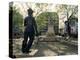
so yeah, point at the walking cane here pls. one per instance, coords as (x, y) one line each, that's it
(37, 41)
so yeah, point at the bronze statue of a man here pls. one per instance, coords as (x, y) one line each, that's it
(30, 30)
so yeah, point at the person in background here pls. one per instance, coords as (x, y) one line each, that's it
(67, 29)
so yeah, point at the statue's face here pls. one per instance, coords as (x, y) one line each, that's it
(30, 13)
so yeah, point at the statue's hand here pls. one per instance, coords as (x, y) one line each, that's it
(37, 34)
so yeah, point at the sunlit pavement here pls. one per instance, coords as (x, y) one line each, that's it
(55, 48)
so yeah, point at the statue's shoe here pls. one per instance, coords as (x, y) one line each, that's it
(27, 52)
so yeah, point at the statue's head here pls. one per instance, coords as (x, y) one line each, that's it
(30, 11)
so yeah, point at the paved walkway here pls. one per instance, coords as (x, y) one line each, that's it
(44, 49)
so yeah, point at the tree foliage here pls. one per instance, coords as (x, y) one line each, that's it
(69, 9)
(17, 21)
(17, 18)
(42, 20)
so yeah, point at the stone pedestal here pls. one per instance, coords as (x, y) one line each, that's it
(50, 32)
